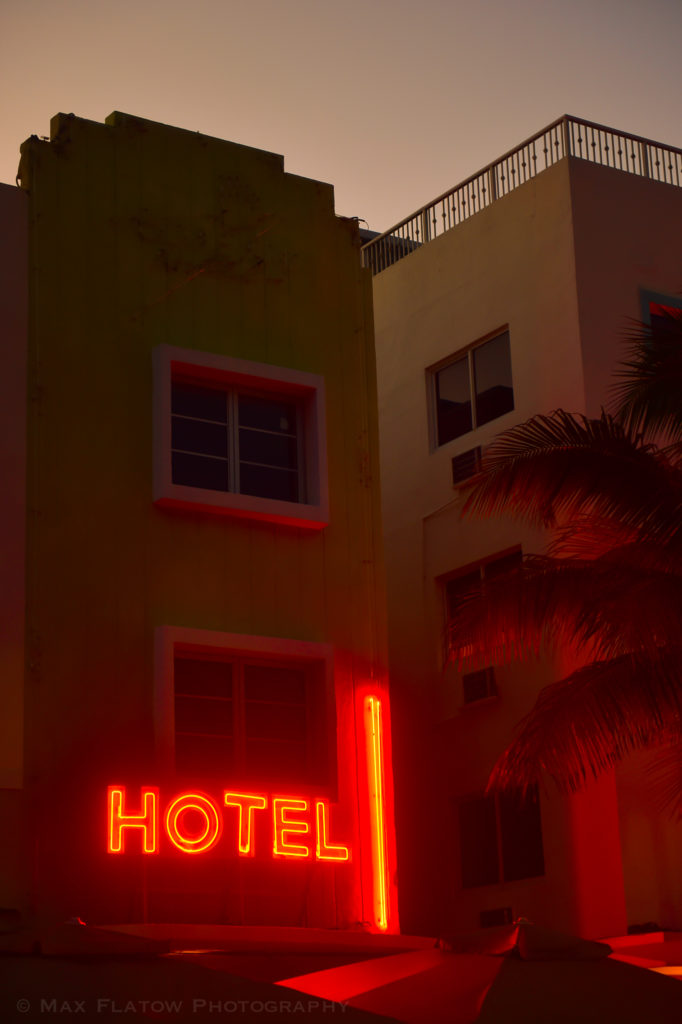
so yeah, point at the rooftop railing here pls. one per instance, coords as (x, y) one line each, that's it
(569, 136)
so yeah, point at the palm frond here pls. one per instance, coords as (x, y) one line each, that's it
(553, 468)
(664, 774)
(649, 384)
(581, 725)
(589, 535)
(607, 606)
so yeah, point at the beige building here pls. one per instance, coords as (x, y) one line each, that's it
(504, 298)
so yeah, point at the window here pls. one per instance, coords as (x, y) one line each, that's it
(231, 440)
(247, 718)
(480, 684)
(500, 839)
(472, 389)
(239, 437)
(247, 709)
(664, 320)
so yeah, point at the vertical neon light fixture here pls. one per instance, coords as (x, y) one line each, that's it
(375, 779)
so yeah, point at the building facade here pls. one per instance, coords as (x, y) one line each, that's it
(509, 296)
(195, 707)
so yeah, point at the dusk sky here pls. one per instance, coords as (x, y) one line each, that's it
(392, 101)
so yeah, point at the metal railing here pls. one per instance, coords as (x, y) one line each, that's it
(568, 136)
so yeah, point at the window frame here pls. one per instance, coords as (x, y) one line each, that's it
(649, 299)
(173, 642)
(432, 387)
(468, 570)
(497, 799)
(236, 376)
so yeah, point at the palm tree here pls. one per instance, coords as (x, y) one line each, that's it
(610, 490)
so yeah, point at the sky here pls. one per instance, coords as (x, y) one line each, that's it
(391, 101)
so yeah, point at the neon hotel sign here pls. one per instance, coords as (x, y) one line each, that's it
(301, 827)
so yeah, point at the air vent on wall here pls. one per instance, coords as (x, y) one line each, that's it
(479, 685)
(466, 465)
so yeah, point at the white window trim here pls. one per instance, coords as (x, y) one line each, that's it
(169, 641)
(432, 389)
(228, 372)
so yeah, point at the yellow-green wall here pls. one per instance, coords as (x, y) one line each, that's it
(142, 234)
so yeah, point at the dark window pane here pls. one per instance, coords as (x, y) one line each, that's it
(204, 715)
(197, 436)
(492, 374)
(275, 721)
(478, 841)
(267, 414)
(201, 402)
(196, 677)
(498, 916)
(665, 324)
(479, 685)
(280, 484)
(521, 828)
(458, 588)
(199, 471)
(204, 755)
(262, 682)
(268, 761)
(268, 449)
(453, 401)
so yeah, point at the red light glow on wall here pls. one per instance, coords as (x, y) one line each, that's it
(291, 827)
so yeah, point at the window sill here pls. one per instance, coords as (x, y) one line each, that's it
(243, 506)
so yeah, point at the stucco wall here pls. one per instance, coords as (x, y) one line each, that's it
(627, 241)
(513, 265)
(13, 339)
(141, 235)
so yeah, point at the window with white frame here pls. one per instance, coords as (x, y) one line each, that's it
(471, 389)
(481, 683)
(500, 838)
(243, 717)
(230, 439)
(239, 437)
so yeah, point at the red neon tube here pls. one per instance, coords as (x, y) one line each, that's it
(375, 776)
(247, 804)
(147, 820)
